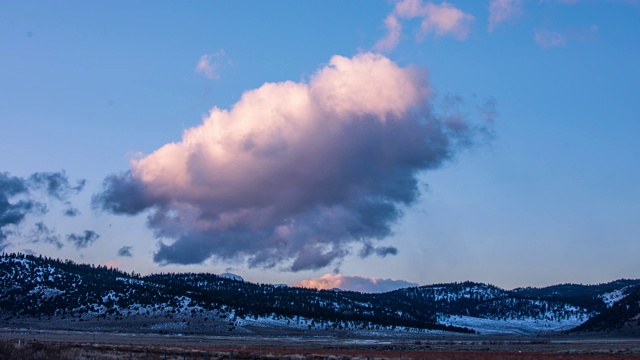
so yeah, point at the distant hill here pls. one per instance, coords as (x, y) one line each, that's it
(78, 294)
(597, 297)
(622, 317)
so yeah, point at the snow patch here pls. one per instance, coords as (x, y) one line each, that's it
(46, 292)
(524, 326)
(169, 326)
(613, 297)
(131, 281)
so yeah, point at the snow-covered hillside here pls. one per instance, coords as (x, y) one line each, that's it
(39, 287)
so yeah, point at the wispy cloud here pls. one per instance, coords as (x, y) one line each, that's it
(56, 184)
(503, 10)
(41, 233)
(295, 175)
(210, 64)
(125, 251)
(17, 198)
(70, 211)
(81, 241)
(582, 34)
(549, 39)
(113, 264)
(445, 19)
(438, 20)
(12, 213)
(392, 37)
(354, 283)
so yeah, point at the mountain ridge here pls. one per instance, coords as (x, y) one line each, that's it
(40, 287)
(622, 317)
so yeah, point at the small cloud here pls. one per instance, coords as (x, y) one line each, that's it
(503, 10)
(354, 283)
(12, 212)
(71, 212)
(113, 264)
(488, 110)
(16, 197)
(125, 251)
(56, 184)
(391, 39)
(583, 34)
(381, 251)
(445, 19)
(209, 64)
(563, 2)
(41, 233)
(548, 39)
(81, 241)
(439, 20)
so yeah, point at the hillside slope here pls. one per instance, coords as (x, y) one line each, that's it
(622, 317)
(42, 288)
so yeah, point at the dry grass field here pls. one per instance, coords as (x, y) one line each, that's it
(62, 345)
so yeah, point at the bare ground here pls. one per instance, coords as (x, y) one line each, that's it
(24, 343)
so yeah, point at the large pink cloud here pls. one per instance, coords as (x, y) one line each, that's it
(294, 174)
(354, 283)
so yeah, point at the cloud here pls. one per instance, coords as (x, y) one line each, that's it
(444, 19)
(488, 110)
(16, 197)
(548, 39)
(125, 251)
(81, 241)
(392, 37)
(354, 283)
(439, 20)
(11, 213)
(29, 252)
(294, 175)
(382, 251)
(56, 184)
(582, 34)
(113, 264)
(209, 64)
(41, 233)
(503, 10)
(71, 212)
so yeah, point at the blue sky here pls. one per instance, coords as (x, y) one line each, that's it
(551, 197)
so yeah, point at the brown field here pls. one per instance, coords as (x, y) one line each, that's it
(58, 344)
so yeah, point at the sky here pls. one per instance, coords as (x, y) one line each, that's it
(364, 145)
